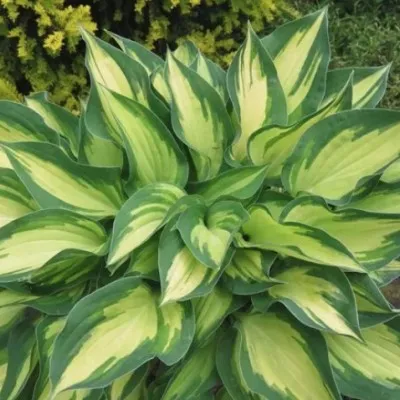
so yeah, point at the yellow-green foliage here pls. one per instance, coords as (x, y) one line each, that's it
(40, 46)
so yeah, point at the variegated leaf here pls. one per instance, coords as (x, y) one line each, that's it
(252, 75)
(141, 216)
(319, 297)
(4, 161)
(386, 274)
(15, 200)
(199, 118)
(149, 60)
(22, 359)
(130, 386)
(384, 198)
(373, 308)
(369, 84)
(374, 239)
(9, 316)
(295, 240)
(29, 242)
(115, 327)
(369, 370)
(186, 52)
(392, 173)
(176, 329)
(248, 272)
(208, 232)
(274, 202)
(19, 123)
(213, 74)
(300, 50)
(195, 376)
(241, 183)
(57, 118)
(270, 344)
(272, 145)
(182, 276)
(55, 181)
(355, 146)
(160, 85)
(153, 154)
(211, 310)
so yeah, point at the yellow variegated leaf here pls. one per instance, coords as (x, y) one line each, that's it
(386, 274)
(130, 386)
(355, 146)
(153, 154)
(141, 216)
(252, 75)
(57, 118)
(15, 200)
(176, 329)
(272, 145)
(115, 328)
(248, 271)
(4, 161)
(374, 239)
(274, 202)
(208, 232)
(370, 369)
(186, 52)
(182, 276)
(384, 198)
(295, 240)
(29, 242)
(160, 85)
(300, 50)
(392, 173)
(270, 345)
(199, 118)
(369, 84)
(319, 297)
(211, 310)
(195, 376)
(55, 181)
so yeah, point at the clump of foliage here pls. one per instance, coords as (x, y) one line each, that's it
(41, 47)
(203, 234)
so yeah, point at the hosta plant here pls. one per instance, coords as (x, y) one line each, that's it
(203, 234)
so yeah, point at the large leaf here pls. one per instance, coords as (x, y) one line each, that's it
(211, 310)
(57, 118)
(252, 75)
(208, 232)
(19, 123)
(28, 243)
(373, 308)
(369, 370)
(160, 85)
(241, 183)
(248, 272)
(274, 202)
(374, 239)
(182, 276)
(55, 181)
(153, 154)
(384, 198)
(115, 328)
(195, 376)
(295, 240)
(300, 50)
(355, 145)
(141, 216)
(319, 297)
(199, 118)
(21, 360)
(280, 358)
(15, 200)
(272, 145)
(369, 84)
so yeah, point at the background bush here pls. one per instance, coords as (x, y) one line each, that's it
(40, 46)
